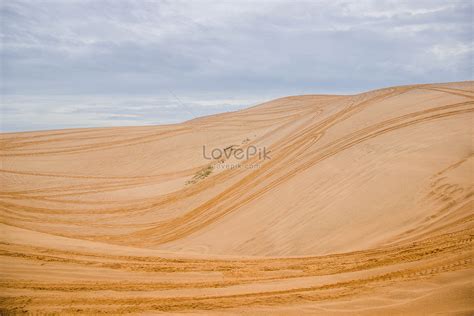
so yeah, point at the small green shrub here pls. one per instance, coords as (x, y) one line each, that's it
(201, 174)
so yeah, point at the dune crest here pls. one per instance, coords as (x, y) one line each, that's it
(361, 204)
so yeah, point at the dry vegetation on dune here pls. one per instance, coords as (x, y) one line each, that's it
(364, 207)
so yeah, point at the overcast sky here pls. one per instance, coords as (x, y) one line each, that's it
(103, 63)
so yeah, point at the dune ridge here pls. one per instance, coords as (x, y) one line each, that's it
(364, 206)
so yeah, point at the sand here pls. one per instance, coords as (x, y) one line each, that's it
(362, 207)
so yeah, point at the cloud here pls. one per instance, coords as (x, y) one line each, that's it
(40, 112)
(242, 49)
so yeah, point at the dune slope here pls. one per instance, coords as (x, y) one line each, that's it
(355, 204)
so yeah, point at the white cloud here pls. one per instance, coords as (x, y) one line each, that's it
(447, 52)
(214, 51)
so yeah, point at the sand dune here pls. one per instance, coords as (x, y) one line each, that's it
(363, 206)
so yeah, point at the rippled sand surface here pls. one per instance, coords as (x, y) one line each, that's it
(362, 207)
